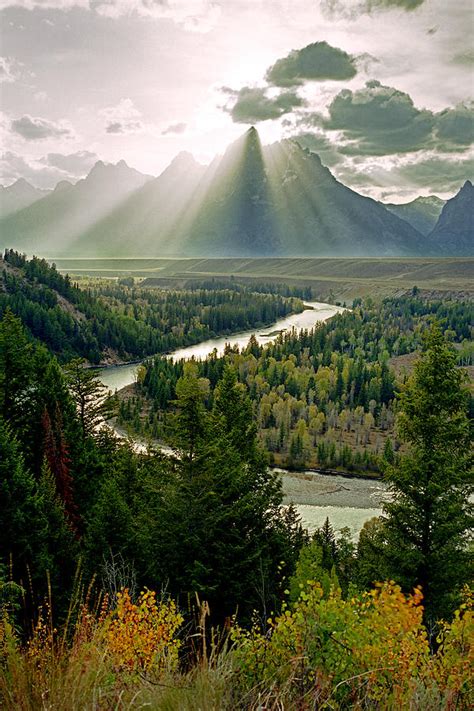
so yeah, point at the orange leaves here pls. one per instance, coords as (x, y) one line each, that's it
(369, 649)
(453, 665)
(141, 636)
(97, 654)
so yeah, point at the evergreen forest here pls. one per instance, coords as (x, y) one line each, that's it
(132, 576)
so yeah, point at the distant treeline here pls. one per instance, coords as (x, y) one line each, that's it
(236, 284)
(131, 322)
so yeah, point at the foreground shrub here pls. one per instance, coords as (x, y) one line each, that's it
(368, 651)
(92, 662)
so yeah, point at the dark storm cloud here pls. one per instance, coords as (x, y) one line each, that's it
(318, 62)
(380, 119)
(318, 143)
(174, 128)
(352, 10)
(36, 129)
(455, 127)
(76, 164)
(436, 173)
(253, 105)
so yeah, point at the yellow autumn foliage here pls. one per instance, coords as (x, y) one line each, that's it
(371, 649)
(141, 635)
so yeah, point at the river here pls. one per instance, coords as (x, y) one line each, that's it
(348, 502)
(118, 376)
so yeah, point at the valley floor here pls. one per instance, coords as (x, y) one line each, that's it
(341, 279)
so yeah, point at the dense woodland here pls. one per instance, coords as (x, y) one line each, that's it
(129, 322)
(324, 398)
(115, 565)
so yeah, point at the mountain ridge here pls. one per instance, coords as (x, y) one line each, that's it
(19, 195)
(455, 226)
(253, 201)
(61, 217)
(422, 213)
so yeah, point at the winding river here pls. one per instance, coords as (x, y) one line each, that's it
(348, 502)
(116, 377)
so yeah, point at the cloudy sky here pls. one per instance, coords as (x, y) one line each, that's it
(381, 89)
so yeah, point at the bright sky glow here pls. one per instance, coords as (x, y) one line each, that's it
(142, 81)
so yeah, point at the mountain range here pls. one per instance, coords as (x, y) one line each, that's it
(422, 213)
(454, 230)
(253, 201)
(19, 195)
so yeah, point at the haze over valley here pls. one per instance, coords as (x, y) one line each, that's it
(254, 201)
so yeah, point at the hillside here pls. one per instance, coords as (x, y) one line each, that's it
(112, 323)
(422, 213)
(329, 279)
(454, 231)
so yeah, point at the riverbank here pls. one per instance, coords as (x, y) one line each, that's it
(116, 377)
(316, 489)
(112, 360)
(348, 501)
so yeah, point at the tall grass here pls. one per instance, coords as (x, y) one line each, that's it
(369, 652)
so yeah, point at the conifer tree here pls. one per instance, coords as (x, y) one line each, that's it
(218, 527)
(34, 533)
(428, 521)
(89, 394)
(21, 527)
(16, 353)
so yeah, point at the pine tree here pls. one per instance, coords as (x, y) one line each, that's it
(429, 518)
(21, 526)
(34, 533)
(234, 410)
(326, 538)
(16, 377)
(61, 544)
(388, 453)
(58, 461)
(217, 524)
(190, 424)
(89, 394)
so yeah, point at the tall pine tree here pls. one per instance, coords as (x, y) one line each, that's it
(428, 521)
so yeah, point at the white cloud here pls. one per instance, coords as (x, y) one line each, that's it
(35, 128)
(408, 176)
(47, 171)
(75, 164)
(122, 118)
(8, 70)
(14, 166)
(45, 4)
(192, 15)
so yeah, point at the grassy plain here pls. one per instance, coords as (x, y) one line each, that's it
(342, 279)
